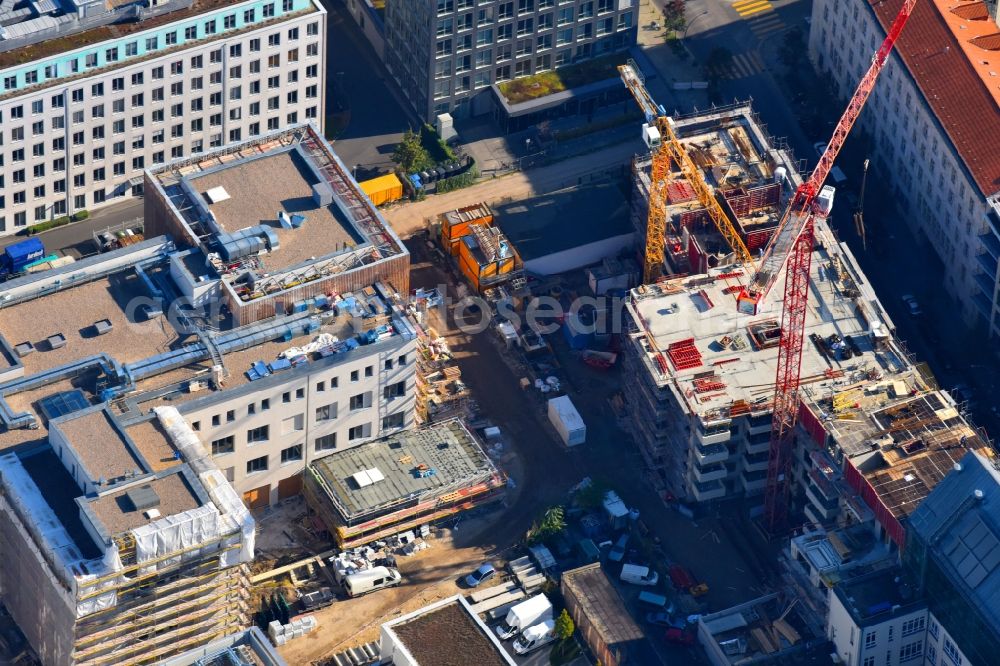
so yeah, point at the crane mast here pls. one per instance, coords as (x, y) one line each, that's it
(666, 148)
(791, 247)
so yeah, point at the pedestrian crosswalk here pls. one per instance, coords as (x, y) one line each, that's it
(741, 66)
(747, 8)
(766, 26)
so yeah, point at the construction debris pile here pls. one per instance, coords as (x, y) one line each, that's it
(441, 393)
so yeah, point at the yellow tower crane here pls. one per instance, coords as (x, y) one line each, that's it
(666, 149)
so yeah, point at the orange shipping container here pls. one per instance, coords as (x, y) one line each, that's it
(455, 224)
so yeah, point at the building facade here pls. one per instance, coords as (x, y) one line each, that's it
(264, 435)
(447, 54)
(934, 131)
(80, 127)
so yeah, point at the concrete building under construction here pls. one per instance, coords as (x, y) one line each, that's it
(122, 544)
(700, 408)
(397, 483)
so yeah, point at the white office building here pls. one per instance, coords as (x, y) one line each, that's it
(85, 111)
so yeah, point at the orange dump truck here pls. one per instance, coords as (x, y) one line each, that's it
(455, 224)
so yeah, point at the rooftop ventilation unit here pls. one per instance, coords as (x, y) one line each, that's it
(217, 194)
(367, 477)
(143, 498)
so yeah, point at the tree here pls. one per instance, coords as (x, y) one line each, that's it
(553, 522)
(564, 626)
(410, 154)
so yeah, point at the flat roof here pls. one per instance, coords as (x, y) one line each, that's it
(117, 514)
(73, 312)
(550, 223)
(713, 356)
(448, 636)
(154, 444)
(602, 605)
(876, 593)
(956, 78)
(261, 186)
(99, 445)
(447, 448)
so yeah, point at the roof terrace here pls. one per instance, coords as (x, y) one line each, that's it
(169, 494)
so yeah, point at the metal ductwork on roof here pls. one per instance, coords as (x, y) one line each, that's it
(247, 242)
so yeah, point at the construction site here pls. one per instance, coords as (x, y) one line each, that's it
(398, 483)
(122, 544)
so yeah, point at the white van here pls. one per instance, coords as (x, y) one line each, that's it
(535, 637)
(637, 575)
(370, 580)
(524, 615)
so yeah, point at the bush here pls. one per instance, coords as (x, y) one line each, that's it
(458, 182)
(80, 215)
(438, 150)
(51, 224)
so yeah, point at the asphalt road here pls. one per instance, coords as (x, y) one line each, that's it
(378, 117)
(77, 239)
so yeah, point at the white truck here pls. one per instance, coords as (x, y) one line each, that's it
(639, 575)
(523, 615)
(535, 637)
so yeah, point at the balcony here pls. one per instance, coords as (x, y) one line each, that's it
(711, 454)
(753, 481)
(704, 492)
(714, 433)
(759, 443)
(756, 462)
(710, 473)
(988, 263)
(986, 284)
(759, 424)
(817, 510)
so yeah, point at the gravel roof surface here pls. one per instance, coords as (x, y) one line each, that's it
(448, 637)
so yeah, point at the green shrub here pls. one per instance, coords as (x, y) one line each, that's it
(438, 150)
(458, 182)
(80, 215)
(50, 224)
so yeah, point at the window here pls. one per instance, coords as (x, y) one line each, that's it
(196, 426)
(300, 393)
(911, 651)
(230, 416)
(359, 432)
(326, 412)
(257, 465)
(361, 400)
(293, 424)
(224, 445)
(394, 421)
(401, 360)
(291, 454)
(951, 652)
(259, 434)
(932, 629)
(320, 387)
(286, 397)
(871, 639)
(216, 419)
(265, 404)
(912, 626)
(354, 375)
(369, 371)
(397, 390)
(869, 661)
(326, 442)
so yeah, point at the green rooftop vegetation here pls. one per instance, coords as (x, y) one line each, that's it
(564, 78)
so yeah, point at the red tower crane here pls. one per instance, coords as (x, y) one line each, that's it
(792, 245)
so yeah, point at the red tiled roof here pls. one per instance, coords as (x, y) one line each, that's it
(972, 11)
(988, 42)
(952, 87)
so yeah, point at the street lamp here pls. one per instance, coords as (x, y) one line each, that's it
(693, 21)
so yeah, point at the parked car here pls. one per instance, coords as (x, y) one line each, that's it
(484, 573)
(638, 575)
(665, 620)
(912, 305)
(679, 636)
(617, 552)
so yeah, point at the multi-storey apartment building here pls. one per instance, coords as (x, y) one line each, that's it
(83, 115)
(934, 127)
(448, 54)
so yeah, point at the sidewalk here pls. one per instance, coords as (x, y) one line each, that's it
(670, 67)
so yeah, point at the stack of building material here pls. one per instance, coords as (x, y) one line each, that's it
(282, 633)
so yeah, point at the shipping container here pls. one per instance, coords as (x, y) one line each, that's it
(567, 421)
(384, 189)
(455, 224)
(486, 258)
